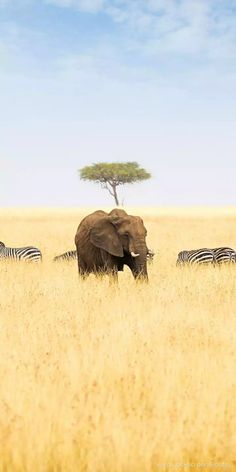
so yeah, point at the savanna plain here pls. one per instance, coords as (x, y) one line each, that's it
(117, 378)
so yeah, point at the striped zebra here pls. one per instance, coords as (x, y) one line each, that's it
(196, 256)
(70, 255)
(66, 256)
(29, 253)
(224, 255)
(150, 256)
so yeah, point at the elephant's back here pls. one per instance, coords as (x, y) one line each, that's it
(91, 219)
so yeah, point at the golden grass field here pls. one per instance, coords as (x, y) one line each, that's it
(118, 378)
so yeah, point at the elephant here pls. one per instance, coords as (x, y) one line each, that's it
(105, 242)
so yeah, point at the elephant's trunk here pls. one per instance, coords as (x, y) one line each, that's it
(140, 271)
(140, 262)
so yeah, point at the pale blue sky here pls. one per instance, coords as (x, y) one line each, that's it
(114, 80)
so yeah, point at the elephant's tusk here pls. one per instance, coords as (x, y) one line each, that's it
(133, 254)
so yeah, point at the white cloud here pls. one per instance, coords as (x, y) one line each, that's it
(159, 27)
(159, 40)
(186, 27)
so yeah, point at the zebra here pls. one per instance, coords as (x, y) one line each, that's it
(66, 256)
(28, 253)
(71, 255)
(224, 255)
(150, 256)
(196, 256)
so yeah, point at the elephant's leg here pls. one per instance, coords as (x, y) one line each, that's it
(83, 275)
(113, 276)
(136, 271)
(99, 274)
(82, 270)
(140, 277)
(111, 272)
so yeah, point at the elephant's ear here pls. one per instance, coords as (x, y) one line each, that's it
(104, 235)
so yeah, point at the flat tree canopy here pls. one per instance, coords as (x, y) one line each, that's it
(111, 175)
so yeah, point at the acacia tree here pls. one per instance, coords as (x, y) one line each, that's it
(111, 175)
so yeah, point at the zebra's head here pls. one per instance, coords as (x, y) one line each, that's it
(150, 255)
(182, 257)
(1, 244)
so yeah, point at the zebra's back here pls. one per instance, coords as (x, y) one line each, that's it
(224, 255)
(28, 253)
(66, 256)
(196, 256)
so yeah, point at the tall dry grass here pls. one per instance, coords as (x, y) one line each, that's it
(123, 378)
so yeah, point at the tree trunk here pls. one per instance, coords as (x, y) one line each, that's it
(115, 195)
